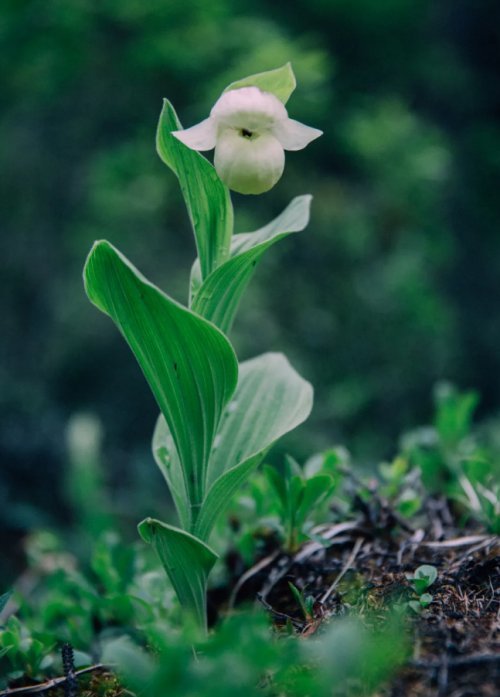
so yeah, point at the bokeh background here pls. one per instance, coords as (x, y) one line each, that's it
(394, 285)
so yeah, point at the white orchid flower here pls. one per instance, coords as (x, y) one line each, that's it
(250, 131)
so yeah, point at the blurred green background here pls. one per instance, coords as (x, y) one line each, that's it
(394, 285)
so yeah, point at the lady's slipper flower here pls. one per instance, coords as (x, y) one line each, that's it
(250, 130)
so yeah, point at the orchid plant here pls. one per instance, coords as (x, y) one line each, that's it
(218, 418)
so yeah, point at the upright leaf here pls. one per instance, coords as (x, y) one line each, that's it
(165, 455)
(207, 199)
(280, 82)
(4, 599)
(218, 297)
(189, 364)
(187, 561)
(278, 483)
(270, 400)
(316, 490)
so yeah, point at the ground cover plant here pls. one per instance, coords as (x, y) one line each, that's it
(356, 580)
(346, 613)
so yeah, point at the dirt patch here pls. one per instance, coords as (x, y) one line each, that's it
(365, 567)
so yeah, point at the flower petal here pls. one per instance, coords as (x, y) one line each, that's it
(294, 135)
(199, 137)
(248, 108)
(248, 166)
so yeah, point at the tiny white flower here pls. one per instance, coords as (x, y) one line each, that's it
(250, 130)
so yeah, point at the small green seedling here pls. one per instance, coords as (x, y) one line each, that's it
(422, 579)
(452, 461)
(305, 602)
(298, 496)
(400, 487)
(22, 652)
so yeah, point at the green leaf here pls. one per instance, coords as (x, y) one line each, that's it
(270, 400)
(166, 458)
(4, 599)
(300, 600)
(292, 468)
(278, 483)
(454, 412)
(420, 585)
(409, 503)
(207, 199)
(296, 487)
(426, 599)
(187, 561)
(316, 489)
(280, 82)
(188, 363)
(218, 297)
(426, 573)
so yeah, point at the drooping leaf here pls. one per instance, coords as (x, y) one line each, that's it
(187, 561)
(270, 400)
(207, 199)
(280, 82)
(188, 363)
(218, 297)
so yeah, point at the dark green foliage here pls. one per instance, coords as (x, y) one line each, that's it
(455, 459)
(242, 655)
(298, 495)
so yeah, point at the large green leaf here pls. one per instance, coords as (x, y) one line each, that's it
(207, 199)
(189, 364)
(218, 297)
(280, 82)
(187, 561)
(270, 400)
(165, 455)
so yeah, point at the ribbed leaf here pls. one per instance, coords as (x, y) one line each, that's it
(218, 297)
(207, 199)
(270, 400)
(280, 82)
(189, 364)
(166, 458)
(187, 561)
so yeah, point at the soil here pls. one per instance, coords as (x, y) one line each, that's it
(364, 571)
